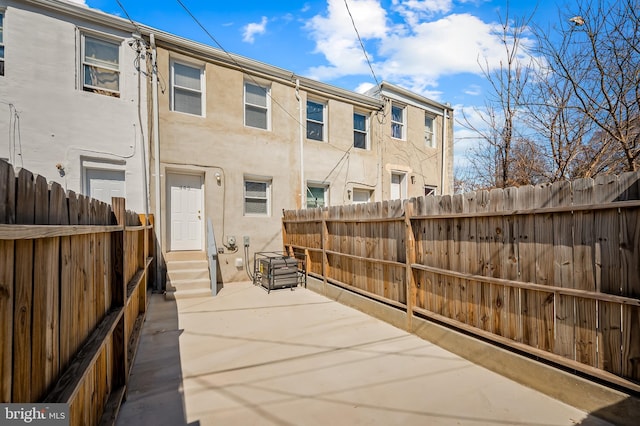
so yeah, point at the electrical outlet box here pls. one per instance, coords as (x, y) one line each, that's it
(246, 240)
(231, 240)
(239, 262)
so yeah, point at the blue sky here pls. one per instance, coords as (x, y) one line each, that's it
(428, 46)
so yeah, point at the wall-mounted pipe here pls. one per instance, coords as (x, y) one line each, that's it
(156, 148)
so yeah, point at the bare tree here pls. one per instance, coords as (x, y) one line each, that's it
(498, 126)
(592, 60)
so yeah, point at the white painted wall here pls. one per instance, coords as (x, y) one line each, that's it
(59, 124)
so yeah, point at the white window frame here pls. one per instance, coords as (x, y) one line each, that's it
(91, 163)
(365, 131)
(430, 190)
(429, 133)
(267, 108)
(106, 38)
(202, 91)
(402, 123)
(324, 187)
(362, 191)
(255, 179)
(323, 122)
(2, 19)
(403, 184)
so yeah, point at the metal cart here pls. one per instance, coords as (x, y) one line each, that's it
(277, 270)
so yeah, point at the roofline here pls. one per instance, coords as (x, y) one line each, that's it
(404, 92)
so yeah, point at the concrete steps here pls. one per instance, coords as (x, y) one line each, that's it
(187, 275)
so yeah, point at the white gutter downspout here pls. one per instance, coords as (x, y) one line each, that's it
(156, 148)
(444, 144)
(303, 187)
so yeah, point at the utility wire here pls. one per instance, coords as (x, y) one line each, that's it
(361, 43)
(129, 17)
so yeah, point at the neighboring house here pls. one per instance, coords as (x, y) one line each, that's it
(73, 103)
(241, 140)
(238, 140)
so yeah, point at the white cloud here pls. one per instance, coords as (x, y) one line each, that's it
(473, 90)
(250, 30)
(363, 87)
(415, 10)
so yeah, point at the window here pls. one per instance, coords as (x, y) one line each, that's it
(430, 190)
(1, 43)
(187, 88)
(397, 122)
(359, 130)
(317, 196)
(428, 132)
(257, 194)
(398, 186)
(315, 120)
(361, 196)
(100, 66)
(256, 107)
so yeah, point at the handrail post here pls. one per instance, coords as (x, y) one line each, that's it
(212, 258)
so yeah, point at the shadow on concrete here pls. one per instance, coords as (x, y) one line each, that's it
(623, 413)
(155, 395)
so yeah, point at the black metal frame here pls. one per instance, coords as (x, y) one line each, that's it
(271, 270)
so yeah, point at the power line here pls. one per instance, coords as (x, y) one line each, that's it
(361, 43)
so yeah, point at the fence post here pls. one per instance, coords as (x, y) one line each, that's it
(324, 237)
(118, 259)
(410, 258)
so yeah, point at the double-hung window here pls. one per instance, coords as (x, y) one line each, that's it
(359, 130)
(100, 65)
(256, 106)
(315, 120)
(257, 197)
(428, 132)
(361, 196)
(187, 88)
(397, 122)
(317, 195)
(1, 43)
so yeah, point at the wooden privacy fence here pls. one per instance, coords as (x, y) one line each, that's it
(551, 270)
(73, 280)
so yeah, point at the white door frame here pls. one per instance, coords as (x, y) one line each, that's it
(170, 176)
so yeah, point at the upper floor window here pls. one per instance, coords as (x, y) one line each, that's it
(100, 65)
(397, 122)
(187, 88)
(1, 43)
(359, 130)
(315, 120)
(429, 140)
(317, 195)
(257, 197)
(256, 106)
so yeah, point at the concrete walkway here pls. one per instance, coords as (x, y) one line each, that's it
(246, 357)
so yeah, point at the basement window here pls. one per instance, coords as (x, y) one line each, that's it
(257, 197)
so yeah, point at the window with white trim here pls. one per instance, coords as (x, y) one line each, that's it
(317, 195)
(1, 42)
(100, 65)
(187, 84)
(316, 117)
(397, 122)
(430, 190)
(360, 135)
(429, 138)
(256, 106)
(257, 197)
(361, 196)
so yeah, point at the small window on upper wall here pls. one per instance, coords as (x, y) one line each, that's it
(187, 88)
(430, 190)
(257, 197)
(361, 196)
(100, 65)
(429, 138)
(315, 120)
(359, 130)
(256, 106)
(1, 43)
(317, 196)
(397, 122)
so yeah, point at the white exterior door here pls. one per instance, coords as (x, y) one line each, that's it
(185, 211)
(398, 190)
(104, 184)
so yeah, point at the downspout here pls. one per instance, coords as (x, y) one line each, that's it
(444, 144)
(156, 148)
(303, 187)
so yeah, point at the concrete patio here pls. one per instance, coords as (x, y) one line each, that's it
(246, 357)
